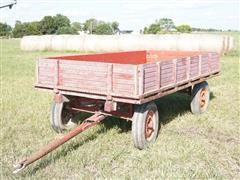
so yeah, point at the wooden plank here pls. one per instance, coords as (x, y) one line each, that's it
(123, 87)
(146, 71)
(151, 74)
(123, 81)
(123, 68)
(47, 82)
(46, 63)
(80, 79)
(93, 76)
(166, 66)
(90, 89)
(181, 71)
(80, 68)
(84, 74)
(47, 69)
(151, 65)
(168, 81)
(150, 84)
(166, 71)
(123, 76)
(83, 63)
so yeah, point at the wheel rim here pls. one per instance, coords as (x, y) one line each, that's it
(149, 126)
(203, 97)
(66, 115)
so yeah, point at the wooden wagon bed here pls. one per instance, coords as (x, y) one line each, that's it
(131, 77)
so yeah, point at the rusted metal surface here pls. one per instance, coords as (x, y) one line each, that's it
(125, 77)
(123, 110)
(89, 122)
(149, 126)
(203, 97)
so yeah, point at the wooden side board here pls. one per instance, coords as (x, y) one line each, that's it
(124, 81)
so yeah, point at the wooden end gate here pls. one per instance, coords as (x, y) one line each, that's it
(124, 85)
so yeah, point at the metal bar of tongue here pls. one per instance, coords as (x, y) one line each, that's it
(87, 123)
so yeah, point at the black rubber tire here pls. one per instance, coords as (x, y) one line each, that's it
(61, 119)
(196, 107)
(139, 121)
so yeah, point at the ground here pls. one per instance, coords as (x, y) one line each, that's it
(188, 146)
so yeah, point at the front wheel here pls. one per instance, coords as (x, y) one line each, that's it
(200, 98)
(145, 125)
(61, 117)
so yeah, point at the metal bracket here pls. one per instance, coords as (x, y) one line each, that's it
(110, 106)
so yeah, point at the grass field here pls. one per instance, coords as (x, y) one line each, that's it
(188, 147)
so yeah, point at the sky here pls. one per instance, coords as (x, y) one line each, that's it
(131, 14)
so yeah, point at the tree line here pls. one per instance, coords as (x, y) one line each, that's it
(60, 24)
(166, 25)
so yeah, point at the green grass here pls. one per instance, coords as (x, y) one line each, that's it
(188, 147)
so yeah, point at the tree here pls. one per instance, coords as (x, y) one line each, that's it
(61, 21)
(5, 29)
(90, 25)
(163, 25)
(104, 28)
(66, 30)
(77, 26)
(153, 29)
(115, 26)
(22, 29)
(94, 26)
(18, 30)
(166, 24)
(184, 28)
(48, 25)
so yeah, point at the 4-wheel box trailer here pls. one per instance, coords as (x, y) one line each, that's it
(123, 84)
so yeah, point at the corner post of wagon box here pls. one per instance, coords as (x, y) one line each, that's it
(109, 105)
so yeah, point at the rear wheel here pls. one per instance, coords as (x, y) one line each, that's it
(61, 117)
(145, 125)
(200, 98)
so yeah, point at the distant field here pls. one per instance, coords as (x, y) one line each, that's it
(188, 147)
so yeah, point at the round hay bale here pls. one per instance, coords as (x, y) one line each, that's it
(74, 43)
(128, 42)
(231, 44)
(36, 43)
(166, 42)
(114, 43)
(59, 42)
(211, 43)
(188, 42)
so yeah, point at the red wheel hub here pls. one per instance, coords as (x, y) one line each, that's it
(149, 126)
(203, 97)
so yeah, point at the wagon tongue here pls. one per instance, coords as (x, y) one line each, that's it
(87, 123)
